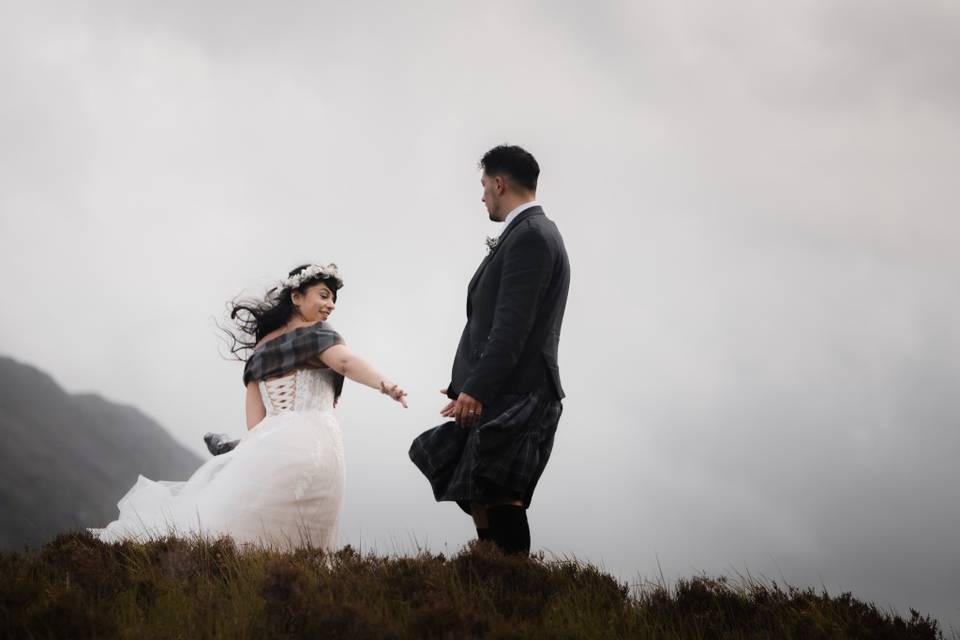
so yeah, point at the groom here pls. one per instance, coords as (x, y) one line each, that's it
(505, 390)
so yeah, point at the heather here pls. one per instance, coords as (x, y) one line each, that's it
(79, 587)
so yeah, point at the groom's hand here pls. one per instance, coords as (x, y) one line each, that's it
(467, 410)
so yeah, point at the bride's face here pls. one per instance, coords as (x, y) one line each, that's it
(315, 303)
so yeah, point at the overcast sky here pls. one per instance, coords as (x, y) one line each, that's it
(762, 341)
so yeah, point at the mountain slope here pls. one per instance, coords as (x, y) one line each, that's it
(66, 459)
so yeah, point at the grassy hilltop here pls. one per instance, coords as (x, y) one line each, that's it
(78, 587)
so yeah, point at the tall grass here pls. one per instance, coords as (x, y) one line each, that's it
(79, 587)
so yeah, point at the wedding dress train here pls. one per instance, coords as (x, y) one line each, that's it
(281, 487)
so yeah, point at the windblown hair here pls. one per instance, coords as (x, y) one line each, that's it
(513, 163)
(254, 318)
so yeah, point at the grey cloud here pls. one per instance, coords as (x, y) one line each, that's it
(887, 51)
(761, 345)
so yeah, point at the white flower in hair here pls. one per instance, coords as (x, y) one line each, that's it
(311, 272)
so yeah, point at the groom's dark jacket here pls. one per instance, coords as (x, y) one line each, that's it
(515, 304)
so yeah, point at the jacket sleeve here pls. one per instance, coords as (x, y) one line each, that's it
(526, 274)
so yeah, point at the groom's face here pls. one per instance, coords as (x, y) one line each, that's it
(492, 192)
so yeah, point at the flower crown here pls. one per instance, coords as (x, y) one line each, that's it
(312, 272)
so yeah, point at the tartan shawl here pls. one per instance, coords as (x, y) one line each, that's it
(299, 348)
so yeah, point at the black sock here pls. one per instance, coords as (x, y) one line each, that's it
(509, 528)
(483, 534)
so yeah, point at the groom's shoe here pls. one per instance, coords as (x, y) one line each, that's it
(218, 443)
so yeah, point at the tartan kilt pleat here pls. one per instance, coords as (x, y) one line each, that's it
(505, 453)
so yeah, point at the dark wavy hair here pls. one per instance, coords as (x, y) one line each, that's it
(514, 163)
(254, 319)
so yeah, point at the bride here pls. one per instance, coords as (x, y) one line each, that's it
(282, 486)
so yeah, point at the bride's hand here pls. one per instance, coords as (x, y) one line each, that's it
(447, 411)
(395, 392)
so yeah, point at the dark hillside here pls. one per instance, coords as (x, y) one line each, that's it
(79, 587)
(66, 459)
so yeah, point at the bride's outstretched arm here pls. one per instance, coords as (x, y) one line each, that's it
(346, 363)
(255, 409)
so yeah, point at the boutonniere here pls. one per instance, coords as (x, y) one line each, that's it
(492, 243)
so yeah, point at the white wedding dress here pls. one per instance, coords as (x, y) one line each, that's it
(281, 487)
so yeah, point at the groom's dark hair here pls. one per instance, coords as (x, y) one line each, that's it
(513, 163)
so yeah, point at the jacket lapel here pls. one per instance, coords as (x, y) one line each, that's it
(532, 211)
(480, 270)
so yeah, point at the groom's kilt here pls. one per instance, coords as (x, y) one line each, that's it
(503, 456)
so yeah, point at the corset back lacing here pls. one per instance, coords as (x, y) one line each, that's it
(282, 393)
(300, 390)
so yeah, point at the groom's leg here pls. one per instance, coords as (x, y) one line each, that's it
(509, 527)
(479, 513)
